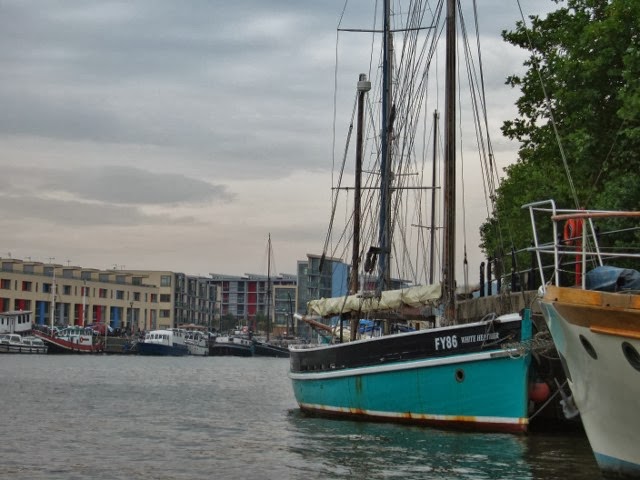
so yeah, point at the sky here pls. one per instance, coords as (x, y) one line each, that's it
(166, 135)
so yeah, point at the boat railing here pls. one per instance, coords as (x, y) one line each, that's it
(576, 242)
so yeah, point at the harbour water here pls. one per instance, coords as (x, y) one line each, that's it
(130, 417)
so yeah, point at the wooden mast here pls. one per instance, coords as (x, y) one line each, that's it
(363, 87)
(449, 234)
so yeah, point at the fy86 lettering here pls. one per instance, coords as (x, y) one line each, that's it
(446, 343)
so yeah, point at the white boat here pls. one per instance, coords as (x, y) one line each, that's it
(14, 343)
(594, 319)
(197, 343)
(167, 342)
(17, 321)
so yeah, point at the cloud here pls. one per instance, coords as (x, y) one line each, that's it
(175, 135)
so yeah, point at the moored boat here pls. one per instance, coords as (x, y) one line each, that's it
(592, 307)
(14, 343)
(461, 376)
(237, 345)
(197, 343)
(72, 339)
(446, 373)
(165, 342)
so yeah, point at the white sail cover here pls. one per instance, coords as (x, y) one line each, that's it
(416, 297)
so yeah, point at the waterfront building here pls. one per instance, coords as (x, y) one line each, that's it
(130, 300)
(179, 299)
(72, 295)
(242, 300)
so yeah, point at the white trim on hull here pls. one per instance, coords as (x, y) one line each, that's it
(426, 418)
(413, 364)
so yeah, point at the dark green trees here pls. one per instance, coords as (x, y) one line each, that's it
(579, 116)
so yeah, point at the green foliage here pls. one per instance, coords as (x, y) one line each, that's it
(586, 54)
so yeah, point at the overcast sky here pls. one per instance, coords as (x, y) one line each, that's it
(176, 135)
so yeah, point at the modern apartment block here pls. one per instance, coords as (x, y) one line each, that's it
(128, 299)
(245, 297)
(319, 278)
(72, 295)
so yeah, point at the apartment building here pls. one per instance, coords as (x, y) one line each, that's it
(244, 298)
(127, 299)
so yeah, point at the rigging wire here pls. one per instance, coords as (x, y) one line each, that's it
(547, 104)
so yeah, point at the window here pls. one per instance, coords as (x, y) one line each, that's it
(7, 266)
(67, 273)
(154, 298)
(165, 313)
(66, 289)
(136, 281)
(121, 279)
(165, 297)
(5, 284)
(165, 281)
(46, 288)
(27, 268)
(119, 294)
(102, 293)
(136, 296)
(104, 277)
(85, 275)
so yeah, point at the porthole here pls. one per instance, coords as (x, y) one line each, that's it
(588, 347)
(460, 375)
(631, 354)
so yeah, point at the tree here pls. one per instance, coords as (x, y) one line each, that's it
(579, 143)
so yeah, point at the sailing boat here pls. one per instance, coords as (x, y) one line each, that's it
(268, 348)
(473, 375)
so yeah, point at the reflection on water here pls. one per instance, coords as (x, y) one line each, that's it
(72, 417)
(343, 449)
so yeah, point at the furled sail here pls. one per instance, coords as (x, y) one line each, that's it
(415, 297)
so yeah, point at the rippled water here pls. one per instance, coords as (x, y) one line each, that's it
(129, 417)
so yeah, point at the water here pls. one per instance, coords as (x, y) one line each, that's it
(129, 417)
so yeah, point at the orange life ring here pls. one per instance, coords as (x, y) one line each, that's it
(572, 231)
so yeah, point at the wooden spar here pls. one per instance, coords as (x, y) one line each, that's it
(449, 251)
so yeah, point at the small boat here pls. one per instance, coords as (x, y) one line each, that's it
(197, 343)
(237, 344)
(590, 300)
(72, 339)
(167, 342)
(14, 343)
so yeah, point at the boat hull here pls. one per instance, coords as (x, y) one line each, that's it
(263, 349)
(157, 349)
(473, 384)
(30, 349)
(596, 334)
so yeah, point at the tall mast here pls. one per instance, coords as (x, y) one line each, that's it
(268, 286)
(433, 198)
(384, 274)
(449, 282)
(363, 87)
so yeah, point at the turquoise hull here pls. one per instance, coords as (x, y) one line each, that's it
(484, 390)
(490, 393)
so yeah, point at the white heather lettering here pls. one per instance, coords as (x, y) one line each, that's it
(481, 337)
